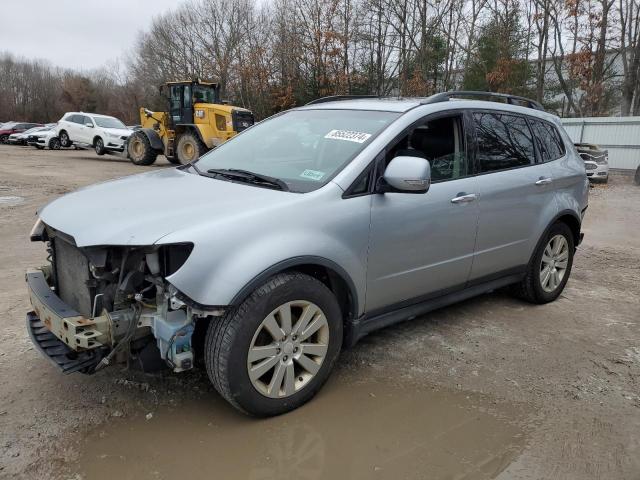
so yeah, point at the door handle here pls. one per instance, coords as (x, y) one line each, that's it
(544, 181)
(464, 198)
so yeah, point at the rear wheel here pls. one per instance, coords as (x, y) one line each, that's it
(140, 150)
(65, 141)
(189, 148)
(550, 267)
(98, 144)
(273, 353)
(4, 138)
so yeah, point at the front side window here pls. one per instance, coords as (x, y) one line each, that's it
(548, 140)
(504, 141)
(303, 148)
(441, 142)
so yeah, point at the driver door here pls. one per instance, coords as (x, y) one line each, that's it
(422, 245)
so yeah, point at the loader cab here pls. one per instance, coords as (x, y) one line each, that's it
(183, 95)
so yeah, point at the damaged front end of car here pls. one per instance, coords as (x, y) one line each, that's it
(99, 305)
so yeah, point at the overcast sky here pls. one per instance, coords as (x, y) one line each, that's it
(81, 34)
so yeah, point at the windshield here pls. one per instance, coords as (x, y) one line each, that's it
(303, 148)
(109, 122)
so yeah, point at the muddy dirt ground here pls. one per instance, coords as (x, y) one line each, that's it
(490, 388)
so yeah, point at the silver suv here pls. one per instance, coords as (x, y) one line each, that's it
(306, 232)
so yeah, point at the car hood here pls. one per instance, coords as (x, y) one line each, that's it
(141, 209)
(118, 131)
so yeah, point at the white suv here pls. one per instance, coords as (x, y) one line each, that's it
(102, 132)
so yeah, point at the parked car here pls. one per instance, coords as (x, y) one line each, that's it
(44, 138)
(596, 161)
(22, 138)
(102, 132)
(14, 127)
(259, 261)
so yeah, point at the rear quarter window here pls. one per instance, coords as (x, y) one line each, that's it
(548, 140)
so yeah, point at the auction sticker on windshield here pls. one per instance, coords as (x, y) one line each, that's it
(312, 175)
(348, 135)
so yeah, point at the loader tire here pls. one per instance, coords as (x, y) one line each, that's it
(189, 148)
(140, 150)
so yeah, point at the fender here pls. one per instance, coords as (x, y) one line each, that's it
(190, 127)
(154, 139)
(292, 263)
(563, 213)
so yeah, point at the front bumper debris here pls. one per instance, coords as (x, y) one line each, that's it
(71, 328)
(57, 352)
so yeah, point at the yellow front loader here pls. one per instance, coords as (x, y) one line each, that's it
(195, 122)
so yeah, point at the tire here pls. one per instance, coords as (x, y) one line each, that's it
(531, 288)
(230, 339)
(4, 139)
(189, 148)
(139, 149)
(65, 141)
(54, 144)
(174, 160)
(98, 144)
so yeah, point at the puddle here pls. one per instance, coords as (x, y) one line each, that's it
(348, 431)
(11, 200)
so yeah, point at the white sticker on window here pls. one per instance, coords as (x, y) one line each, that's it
(312, 175)
(348, 135)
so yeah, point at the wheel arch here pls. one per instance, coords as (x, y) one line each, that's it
(327, 271)
(183, 128)
(572, 220)
(153, 137)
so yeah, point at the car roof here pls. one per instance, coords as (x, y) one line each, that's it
(404, 104)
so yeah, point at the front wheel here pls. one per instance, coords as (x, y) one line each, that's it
(274, 353)
(4, 138)
(139, 149)
(54, 144)
(550, 267)
(65, 141)
(99, 146)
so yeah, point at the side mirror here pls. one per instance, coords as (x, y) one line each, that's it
(89, 124)
(408, 175)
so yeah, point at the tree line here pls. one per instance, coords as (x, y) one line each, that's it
(577, 57)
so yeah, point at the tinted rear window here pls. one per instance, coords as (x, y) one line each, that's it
(504, 141)
(548, 140)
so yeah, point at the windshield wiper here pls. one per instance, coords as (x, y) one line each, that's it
(250, 177)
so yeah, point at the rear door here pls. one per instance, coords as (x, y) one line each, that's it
(516, 194)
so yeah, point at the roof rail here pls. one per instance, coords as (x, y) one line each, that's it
(335, 98)
(510, 99)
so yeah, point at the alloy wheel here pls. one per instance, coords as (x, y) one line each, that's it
(288, 348)
(555, 260)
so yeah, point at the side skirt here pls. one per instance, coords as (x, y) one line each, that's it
(402, 312)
